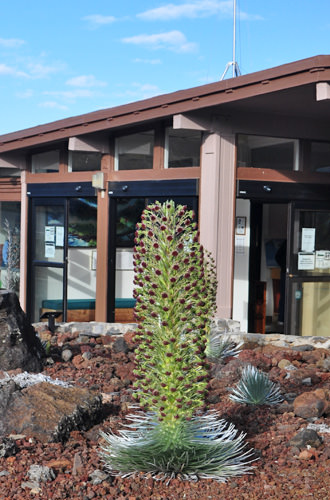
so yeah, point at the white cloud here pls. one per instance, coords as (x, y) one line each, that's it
(96, 20)
(70, 94)
(38, 70)
(198, 8)
(147, 61)
(10, 71)
(85, 81)
(26, 94)
(52, 105)
(11, 43)
(140, 91)
(172, 40)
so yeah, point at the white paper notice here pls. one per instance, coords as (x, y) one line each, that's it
(306, 261)
(49, 233)
(240, 245)
(308, 239)
(59, 236)
(50, 250)
(322, 259)
(124, 260)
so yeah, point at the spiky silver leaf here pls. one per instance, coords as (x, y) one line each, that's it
(204, 447)
(255, 388)
(221, 346)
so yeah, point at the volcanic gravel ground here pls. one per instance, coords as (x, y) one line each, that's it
(281, 472)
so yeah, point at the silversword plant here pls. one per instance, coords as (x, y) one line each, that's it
(255, 388)
(175, 290)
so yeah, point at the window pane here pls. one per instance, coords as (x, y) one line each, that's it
(46, 162)
(135, 151)
(82, 222)
(182, 148)
(82, 161)
(48, 286)
(320, 157)
(265, 152)
(10, 245)
(49, 230)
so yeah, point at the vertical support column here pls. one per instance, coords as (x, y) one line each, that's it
(23, 241)
(102, 249)
(217, 211)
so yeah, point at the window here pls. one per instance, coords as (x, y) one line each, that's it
(45, 162)
(182, 148)
(82, 161)
(10, 225)
(135, 151)
(267, 152)
(320, 156)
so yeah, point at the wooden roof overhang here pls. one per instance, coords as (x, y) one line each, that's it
(234, 91)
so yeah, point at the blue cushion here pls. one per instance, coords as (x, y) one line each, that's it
(74, 304)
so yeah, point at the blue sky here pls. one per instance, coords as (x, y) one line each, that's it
(67, 57)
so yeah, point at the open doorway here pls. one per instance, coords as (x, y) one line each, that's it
(267, 267)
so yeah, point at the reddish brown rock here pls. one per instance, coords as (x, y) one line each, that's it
(310, 404)
(19, 345)
(49, 412)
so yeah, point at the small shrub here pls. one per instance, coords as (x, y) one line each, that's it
(220, 346)
(255, 388)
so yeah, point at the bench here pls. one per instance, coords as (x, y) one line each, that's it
(83, 310)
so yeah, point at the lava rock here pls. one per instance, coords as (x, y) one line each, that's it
(306, 437)
(48, 412)
(310, 404)
(20, 346)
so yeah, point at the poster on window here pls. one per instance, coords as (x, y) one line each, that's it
(306, 261)
(50, 234)
(59, 236)
(322, 259)
(50, 250)
(308, 239)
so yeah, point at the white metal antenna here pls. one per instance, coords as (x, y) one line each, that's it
(233, 64)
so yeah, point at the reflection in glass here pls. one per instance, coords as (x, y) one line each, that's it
(182, 148)
(267, 152)
(82, 161)
(82, 222)
(49, 233)
(10, 217)
(48, 288)
(135, 151)
(45, 162)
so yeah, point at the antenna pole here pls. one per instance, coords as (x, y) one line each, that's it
(233, 63)
(234, 38)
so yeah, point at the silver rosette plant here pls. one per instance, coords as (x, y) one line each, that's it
(171, 433)
(256, 388)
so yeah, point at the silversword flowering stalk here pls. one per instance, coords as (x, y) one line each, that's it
(175, 288)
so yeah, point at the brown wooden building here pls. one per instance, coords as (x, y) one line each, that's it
(251, 154)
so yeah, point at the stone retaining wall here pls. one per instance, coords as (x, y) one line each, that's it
(229, 327)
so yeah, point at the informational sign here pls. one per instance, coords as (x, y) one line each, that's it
(50, 250)
(306, 261)
(49, 233)
(322, 259)
(240, 245)
(240, 225)
(59, 236)
(308, 239)
(124, 260)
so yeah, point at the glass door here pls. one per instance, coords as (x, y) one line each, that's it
(48, 257)
(127, 201)
(63, 257)
(308, 272)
